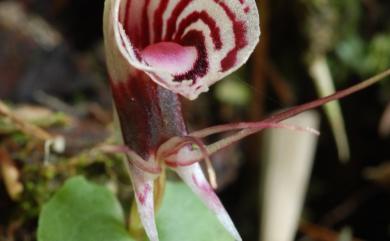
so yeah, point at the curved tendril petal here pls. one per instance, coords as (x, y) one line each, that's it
(195, 179)
(217, 146)
(143, 187)
(292, 112)
(189, 157)
(214, 37)
(168, 147)
(146, 166)
(177, 144)
(248, 125)
(324, 100)
(275, 119)
(181, 146)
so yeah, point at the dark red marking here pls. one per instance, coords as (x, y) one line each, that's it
(171, 164)
(136, 51)
(172, 21)
(138, 34)
(239, 29)
(148, 114)
(127, 17)
(143, 196)
(197, 39)
(210, 22)
(145, 30)
(247, 9)
(158, 20)
(134, 34)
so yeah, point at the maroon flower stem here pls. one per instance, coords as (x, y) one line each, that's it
(148, 114)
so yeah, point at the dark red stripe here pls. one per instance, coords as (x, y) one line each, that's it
(205, 17)
(132, 33)
(132, 39)
(158, 20)
(148, 113)
(197, 39)
(145, 31)
(127, 13)
(143, 195)
(131, 97)
(239, 29)
(171, 24)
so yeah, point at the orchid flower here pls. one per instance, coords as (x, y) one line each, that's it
(159, 49)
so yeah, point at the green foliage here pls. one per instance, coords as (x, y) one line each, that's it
(378, 56)
(184, 217)
(364, 58)
(84, 211)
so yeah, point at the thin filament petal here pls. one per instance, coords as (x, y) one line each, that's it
(134, 158)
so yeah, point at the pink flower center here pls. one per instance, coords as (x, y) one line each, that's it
(171, 57)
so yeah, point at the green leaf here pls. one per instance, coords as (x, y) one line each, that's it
(81, 211)
(183, 217)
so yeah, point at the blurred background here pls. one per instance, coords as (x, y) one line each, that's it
(52, 74)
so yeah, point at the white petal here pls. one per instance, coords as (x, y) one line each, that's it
(143, 189)
(195, 179)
